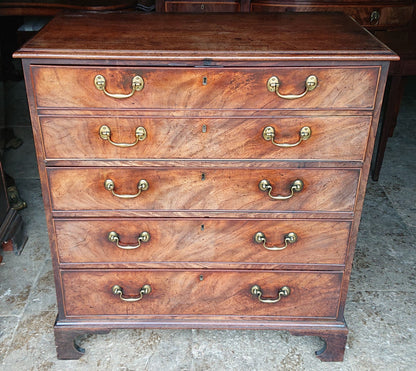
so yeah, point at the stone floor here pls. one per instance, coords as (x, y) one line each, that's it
(380, 309)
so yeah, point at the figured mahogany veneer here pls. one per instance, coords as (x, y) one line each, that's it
(219, 242)
(202, 292)
(241, 88)
(190, 189)
(204, 105)
(336, 138)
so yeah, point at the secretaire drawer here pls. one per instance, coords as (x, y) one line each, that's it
(207, 88)
(201, 292)
(335, 138)
(156, 241)
(203, 189)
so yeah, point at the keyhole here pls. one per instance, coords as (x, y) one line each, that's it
(204, 81)
(201, 277)
(204, 128)
(202, 227)
(203, 176)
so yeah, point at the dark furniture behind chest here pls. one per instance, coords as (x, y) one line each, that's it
(205, 172)
(374, 15)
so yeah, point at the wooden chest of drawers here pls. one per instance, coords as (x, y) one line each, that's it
(204, 171)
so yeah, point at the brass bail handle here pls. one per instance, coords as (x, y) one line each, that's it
(144, 290)
(296, 186)
(105, 134)
(137, 84)
(273, 85)
(256, 291)
(269, 135)
(143, 185)
(290, 238)
(115, 238)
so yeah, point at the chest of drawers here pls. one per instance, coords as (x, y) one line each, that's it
(203, 171)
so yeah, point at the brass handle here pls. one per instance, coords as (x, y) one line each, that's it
(141, 186)
(374, 17)
(296, 186)
(269, 134)
(145, 290)
(137, 84)
(256, 291)
(273, 85)
(290, 238)
(115, 238)
(105, 134)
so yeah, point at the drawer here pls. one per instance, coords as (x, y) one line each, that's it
(331, 138)
(203, 292)
(204, 189)
(200, 241)
(205, 88)
(201, 6)
(375, 16)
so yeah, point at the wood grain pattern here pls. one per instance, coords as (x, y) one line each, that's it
(176, 88)
(203, 204)
(183, 293)
(210, 190)
(200, 241)
(340, 138)
(205, 37)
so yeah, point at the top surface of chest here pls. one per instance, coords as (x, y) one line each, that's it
(205, 37)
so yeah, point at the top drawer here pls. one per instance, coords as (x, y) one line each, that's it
(207, 88)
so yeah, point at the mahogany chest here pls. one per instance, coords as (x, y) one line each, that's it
(204, 171)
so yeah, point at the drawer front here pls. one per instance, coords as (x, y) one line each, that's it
(200, 293)
(331, 138)
(205, 88)
(376, 16)
(201, 7)
(201, 240)
(205, 189)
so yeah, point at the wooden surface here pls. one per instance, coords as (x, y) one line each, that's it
(336, 138)
(191, 36)
(217, 294)
(234, 190)
(203, 204)
(191, 242)
(237, 88)
(53, 7)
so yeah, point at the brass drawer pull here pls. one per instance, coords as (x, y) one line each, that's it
(273, 85)
(256, 291)
(137, 84)
(269, 134)
(296, 186)
(290, 238)
(115, 238)
(141, 186)
(145, 290)
(105, 134)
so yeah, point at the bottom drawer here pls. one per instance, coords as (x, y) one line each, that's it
(196, 293)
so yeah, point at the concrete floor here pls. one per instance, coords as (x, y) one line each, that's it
(380, 309)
